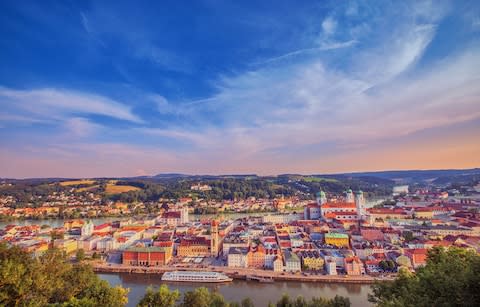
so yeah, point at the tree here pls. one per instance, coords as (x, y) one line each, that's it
(163, 297)
(52, 280)
(337, 301)
(450, 278)
(247, 302)
(80, 255)
(200, 297)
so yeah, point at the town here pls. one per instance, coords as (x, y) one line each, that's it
(335, 235)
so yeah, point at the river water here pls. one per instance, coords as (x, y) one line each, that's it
(260, 293)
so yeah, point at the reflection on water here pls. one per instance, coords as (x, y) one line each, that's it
(260, 293)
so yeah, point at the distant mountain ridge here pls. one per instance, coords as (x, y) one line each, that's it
(396, 175)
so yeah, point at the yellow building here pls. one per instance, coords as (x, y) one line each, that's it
(337, 239)
(193, 247)
(67, 245)
(311, 260)
(68, 225)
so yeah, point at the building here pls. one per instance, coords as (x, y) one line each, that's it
(337, 207)
(234, 241)
(349, 198)
(321, 198)
(337, 239)
(353, 266)
(67, 245)
(87, 228)
(360, 204)
(193, 247)
(146, 256)
(256, 257)
(214, 241)
(311, 260)
(278, 264)
(331, 267)
(237, 257)
(418, 256)
(292, 262)
(400, 189)
(311, 212)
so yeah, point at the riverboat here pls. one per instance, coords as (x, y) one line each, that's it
(192, 276)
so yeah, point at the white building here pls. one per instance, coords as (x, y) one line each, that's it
(311, 212)
(292, 262)
(360, 204)
(87, 229)
(237, 257)
(331, 267)
(400, 189)
(349, 196)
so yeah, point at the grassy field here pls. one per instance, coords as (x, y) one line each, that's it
(116, 189)
(319, 179)
(87, 188)
(77, 182)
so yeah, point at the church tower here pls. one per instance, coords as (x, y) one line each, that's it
(360, 204)
(214, 238)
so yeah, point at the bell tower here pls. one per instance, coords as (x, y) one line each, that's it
(214, 238)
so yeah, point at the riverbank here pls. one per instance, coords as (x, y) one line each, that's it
(242, 273)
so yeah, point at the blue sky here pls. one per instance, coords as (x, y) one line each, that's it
(113, 88)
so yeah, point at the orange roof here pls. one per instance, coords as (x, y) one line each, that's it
(339, 205)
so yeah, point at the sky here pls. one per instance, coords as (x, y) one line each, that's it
(131, 88)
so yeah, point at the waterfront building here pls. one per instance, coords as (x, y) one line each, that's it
(278, 264)
(256, 257)
(146, 256)
(311, 260)
(331, 267)
(353, 266)
(87, 228)
(70, 224)
(337, 239)
(292, 262)
(193, 247)
(237, 257)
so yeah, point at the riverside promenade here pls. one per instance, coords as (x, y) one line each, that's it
(240, 273)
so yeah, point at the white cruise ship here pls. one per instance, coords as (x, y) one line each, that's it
(191, 276)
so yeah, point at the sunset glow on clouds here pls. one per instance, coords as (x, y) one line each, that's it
(91, 89)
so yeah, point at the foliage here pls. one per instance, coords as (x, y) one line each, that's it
(337, 301)
(163, 297)
(202, 297)
(51, 280)
(387, 265)
(80, 254)
(450, 278)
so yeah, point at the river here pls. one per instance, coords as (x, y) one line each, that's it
(260, 293)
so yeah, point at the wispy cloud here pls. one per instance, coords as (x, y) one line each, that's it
(329, 25)
(58, 104)
(324, 46)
